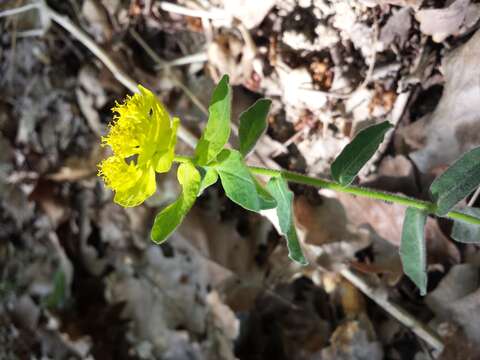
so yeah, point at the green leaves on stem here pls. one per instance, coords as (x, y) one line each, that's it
(212, 162)
(238, 183)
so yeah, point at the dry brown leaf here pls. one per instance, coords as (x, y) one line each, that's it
(454, 127)
(457, 299)
(352, 341)
(323, 224)
(385, 219)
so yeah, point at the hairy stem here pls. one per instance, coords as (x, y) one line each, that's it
(426, 206)
(294, 177)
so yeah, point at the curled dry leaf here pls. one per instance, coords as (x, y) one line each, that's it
(352, 340)
(457, 299)
(441, 23)
(454, 126)
(250, 12)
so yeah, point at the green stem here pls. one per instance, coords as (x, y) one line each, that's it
(291, 176)
(427, 206)
(182, 159)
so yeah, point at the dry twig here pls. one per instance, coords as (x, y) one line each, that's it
(396, 311)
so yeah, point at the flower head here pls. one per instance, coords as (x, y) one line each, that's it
(142, 137)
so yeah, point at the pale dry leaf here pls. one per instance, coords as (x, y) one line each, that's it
(250, 12)
(228, 54)
(166, 292)
(460, 281)
(454, 126)
(385, 219)
(457, 299)
(397, 28)
(237, 254)
(410, 3)
(441, 23)
(99, 24)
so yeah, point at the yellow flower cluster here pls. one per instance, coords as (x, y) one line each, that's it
(142, 137)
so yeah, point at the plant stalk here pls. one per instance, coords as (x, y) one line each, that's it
(426, 206)
(294, 177)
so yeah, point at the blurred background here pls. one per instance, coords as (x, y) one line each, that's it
(79, 277)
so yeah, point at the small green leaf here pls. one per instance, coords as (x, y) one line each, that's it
(169, 218)
(457, 182)
(412, 249)
(209, 177)
(267, 201)
(253, 123)
(279, 189)
(217, 131)
(57, 298)
(465, 232)
(238, 183)
(357, 153)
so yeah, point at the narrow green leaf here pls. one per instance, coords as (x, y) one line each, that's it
(253, 123)
(217, 131)
(279, 189)
(465, 232)
(357, 153)
(457, 182)
(169, 218)
(238, 183)
(209, 177)
(412, 249)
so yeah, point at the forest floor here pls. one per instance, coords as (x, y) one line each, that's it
(79, 277)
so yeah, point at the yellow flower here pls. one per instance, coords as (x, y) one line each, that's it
(142, 137)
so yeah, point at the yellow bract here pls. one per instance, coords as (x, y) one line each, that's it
(142, 137)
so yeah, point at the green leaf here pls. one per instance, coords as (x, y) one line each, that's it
(57, 298)
(217, 131)
(357, 153)
(457, 182)
(412, 249)
(209, 177)
(238, 183)
(267, 201)
(253, 123)
(169, 218)
(466, 232)
(279, 189)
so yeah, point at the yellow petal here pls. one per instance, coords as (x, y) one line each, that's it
(142, 126)
(132, 184)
